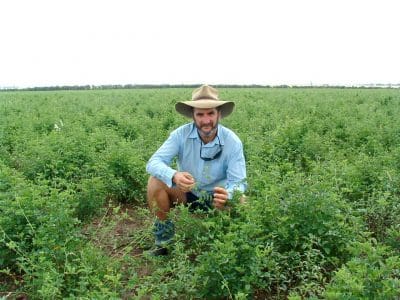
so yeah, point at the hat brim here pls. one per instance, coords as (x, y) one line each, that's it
(185, 107)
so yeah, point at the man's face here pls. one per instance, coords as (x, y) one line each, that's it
(206, 120)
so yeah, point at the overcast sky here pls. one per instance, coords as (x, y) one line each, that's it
(78, 42)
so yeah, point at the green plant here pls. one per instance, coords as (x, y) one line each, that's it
(373, 273)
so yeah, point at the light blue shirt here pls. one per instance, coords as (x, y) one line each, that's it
(228, 170)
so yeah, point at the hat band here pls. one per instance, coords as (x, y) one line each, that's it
(205, 98)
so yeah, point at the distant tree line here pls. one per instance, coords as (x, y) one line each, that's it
(120, 86)
(159, 86)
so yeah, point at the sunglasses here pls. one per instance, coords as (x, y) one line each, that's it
(215, 156)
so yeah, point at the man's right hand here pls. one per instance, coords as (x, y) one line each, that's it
(184, 181)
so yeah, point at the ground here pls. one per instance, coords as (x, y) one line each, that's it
(124, 230)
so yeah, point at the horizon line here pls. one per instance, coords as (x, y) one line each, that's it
(172, 85)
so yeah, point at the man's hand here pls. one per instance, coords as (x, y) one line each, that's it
(220, 197)
(184, 181)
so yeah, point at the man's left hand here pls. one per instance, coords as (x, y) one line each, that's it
(220, 197)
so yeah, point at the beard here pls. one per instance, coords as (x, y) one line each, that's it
(207, 133)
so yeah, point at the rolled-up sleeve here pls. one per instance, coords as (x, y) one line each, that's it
(159, 164)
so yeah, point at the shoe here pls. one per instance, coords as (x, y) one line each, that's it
(164, 232)
(157, 251)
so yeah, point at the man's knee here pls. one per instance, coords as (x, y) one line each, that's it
(155, 185)
(154, 182)
(158, 189)
(154, 188)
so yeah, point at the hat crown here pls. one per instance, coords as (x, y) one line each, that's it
(204, 97)
(205, 92)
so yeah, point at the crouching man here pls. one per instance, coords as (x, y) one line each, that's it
(210, 160)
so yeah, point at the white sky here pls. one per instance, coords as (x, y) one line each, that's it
(77, 42)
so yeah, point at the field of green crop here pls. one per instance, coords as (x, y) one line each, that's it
(322, 220)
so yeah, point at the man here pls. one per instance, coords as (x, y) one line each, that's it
(211, 165)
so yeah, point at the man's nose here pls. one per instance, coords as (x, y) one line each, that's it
(206, 120)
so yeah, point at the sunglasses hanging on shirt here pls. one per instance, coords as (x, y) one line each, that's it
(215, 156)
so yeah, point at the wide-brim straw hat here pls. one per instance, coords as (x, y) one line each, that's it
(204, 97)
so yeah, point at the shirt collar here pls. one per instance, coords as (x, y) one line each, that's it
(195, 135)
